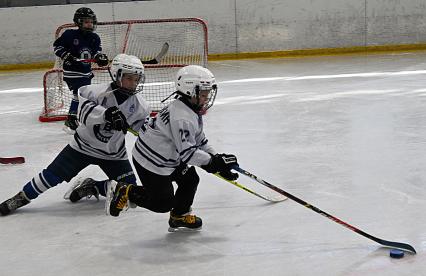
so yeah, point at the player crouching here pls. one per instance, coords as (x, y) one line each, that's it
(167, 147)
(105, 112)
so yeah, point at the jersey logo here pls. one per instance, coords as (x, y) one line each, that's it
(132, 108)
(103, 137)
(76, 42)
(85, 55)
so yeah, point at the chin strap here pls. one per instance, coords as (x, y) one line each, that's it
(169, 96)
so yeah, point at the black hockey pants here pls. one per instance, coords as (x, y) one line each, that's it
(157, 191)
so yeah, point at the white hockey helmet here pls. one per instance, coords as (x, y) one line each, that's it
(127, 64)
(192, 79)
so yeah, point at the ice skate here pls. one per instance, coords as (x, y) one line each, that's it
(117, 198)
(184, 223)
(86, 188)
(13, 203)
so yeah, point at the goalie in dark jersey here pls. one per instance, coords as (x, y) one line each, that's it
(77, 48)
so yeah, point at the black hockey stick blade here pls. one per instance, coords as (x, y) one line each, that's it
(12, 160)
(160, 55)
(397, 245)
(276, 199)
(391, 244)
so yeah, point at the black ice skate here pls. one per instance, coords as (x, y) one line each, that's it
(13, 203)
(184, 223)
(86, 188)
(117, 198)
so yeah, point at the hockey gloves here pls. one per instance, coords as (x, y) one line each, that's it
(117, 119)
(222, 164)
(69, 59)
(101, 60)
(71, 121)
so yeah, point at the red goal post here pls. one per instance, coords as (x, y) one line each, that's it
(188, 44)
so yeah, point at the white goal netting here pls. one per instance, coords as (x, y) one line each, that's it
(187, 39)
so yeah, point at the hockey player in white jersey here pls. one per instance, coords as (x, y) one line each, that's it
(167, 147)
(105, 112)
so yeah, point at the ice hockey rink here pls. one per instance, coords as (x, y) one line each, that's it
(347, 134)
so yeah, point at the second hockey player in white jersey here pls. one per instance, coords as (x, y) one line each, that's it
(105, 113)
(167, 147)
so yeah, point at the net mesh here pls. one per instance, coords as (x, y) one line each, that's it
(187, 39)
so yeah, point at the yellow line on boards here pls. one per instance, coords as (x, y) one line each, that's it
(26, 66)
(300, 53)
(321, 52)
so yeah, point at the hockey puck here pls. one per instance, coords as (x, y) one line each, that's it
(396, 253)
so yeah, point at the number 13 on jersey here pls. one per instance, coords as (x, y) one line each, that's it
(184, 134)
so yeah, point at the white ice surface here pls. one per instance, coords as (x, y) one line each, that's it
(346, 134)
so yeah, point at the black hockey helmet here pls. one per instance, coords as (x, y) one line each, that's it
(84, 13)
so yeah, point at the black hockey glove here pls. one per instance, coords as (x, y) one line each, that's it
(222, 164)
(229, 175)
(117, 119)
(69, 59)
(101, 60)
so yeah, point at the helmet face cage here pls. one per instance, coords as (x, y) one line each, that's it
(127, 64)
(192, 79)
(85, 13)
(139, 87)
(211, 97)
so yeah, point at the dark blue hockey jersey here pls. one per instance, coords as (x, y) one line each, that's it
(81, 46)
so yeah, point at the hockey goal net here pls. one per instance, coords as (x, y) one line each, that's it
(187, 40)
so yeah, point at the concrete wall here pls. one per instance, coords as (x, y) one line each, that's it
(26, 34)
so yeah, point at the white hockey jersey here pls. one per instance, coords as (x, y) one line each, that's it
(94, 136)
(175, 135)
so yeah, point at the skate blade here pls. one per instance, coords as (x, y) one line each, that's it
(73, 186)
(131, 204)
(109, 194)
(184, 229)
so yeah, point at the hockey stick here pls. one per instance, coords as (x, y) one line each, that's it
(270, 199)
(132, 131)
(391, 244)
(157, 59)
(12, 160)
(267, 198)
(159, 56)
